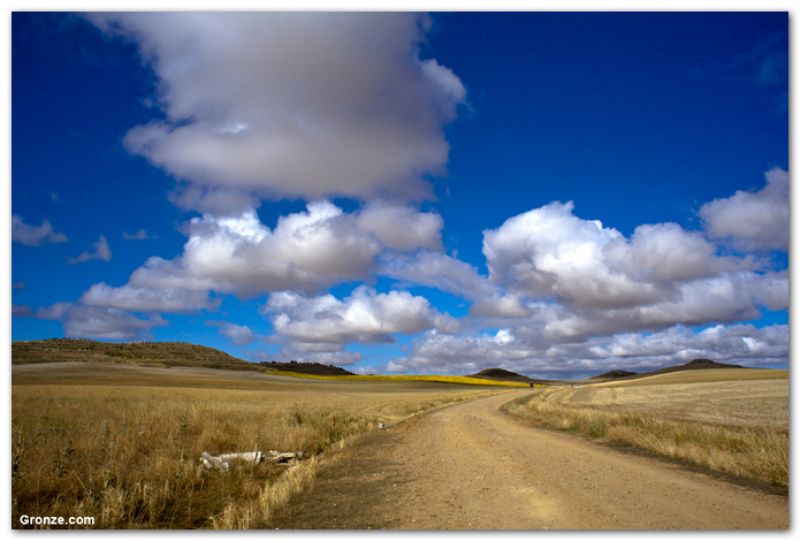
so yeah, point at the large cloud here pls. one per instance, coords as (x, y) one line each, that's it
(364, 316)
(598, 282)
(293, 104)
(318, 329)
(753, 220)
(726, 298)
(306, 251)
(549, 252)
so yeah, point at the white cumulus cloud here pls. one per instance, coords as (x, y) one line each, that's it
(402, 228)
(549, 253)
(753, 220)
(364, 316)
(293, 104)
(306, 251)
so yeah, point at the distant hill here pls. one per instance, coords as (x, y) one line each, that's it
(499, 373)
(147, 353)
(614, 374)
(505, 375)
(307, 368)
(57, 350)
(697, 364)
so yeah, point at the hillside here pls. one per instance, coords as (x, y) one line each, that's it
(615, 374)
(307, 368)
(151, 354)
(500, 374)
(697, 364)
(146, 353)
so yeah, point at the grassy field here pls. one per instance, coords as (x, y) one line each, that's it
(121, 442)
(728, 420)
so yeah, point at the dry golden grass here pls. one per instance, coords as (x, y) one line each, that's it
(122, 444)
(738, 427)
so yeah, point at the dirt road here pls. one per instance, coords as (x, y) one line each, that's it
(470, 466)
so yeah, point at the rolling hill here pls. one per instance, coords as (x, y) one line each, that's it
(307, 368)
(57, 350)
(696, 364)
(146, 353)
(615, 374)
(500, 374)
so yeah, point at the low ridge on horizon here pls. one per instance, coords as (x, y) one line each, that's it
(188, 354)
(150, 353)
(695, 364)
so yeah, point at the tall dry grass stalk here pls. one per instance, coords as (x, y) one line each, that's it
(257, 512)
(128, 455)
(758, 453)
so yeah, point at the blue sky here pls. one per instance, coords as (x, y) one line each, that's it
(392, 192)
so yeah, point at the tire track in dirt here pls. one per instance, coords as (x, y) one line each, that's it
(470, 466)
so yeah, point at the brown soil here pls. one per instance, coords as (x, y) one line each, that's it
(470, 466)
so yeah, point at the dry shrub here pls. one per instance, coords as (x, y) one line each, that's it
(256, 512)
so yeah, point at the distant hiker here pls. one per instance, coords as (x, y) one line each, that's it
(531, 385)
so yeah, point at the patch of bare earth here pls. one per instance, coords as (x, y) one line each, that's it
(470, 466)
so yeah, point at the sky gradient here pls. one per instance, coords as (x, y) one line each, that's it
(555, 194)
